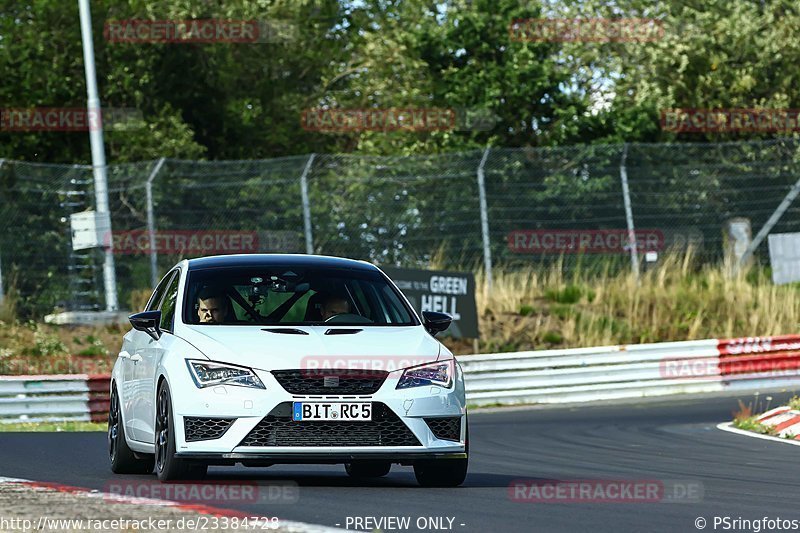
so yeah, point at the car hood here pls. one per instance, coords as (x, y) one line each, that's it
(379, 348)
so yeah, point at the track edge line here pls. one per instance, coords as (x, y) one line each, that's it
(728, 426)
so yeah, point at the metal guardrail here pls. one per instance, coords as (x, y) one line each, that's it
(544, 376)
(57, 397)
(632, 371)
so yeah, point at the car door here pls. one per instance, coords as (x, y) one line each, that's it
(145, 369)
(136, 343)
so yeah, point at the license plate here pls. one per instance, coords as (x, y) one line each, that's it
(332, 411)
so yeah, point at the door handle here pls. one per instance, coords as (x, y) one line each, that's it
(136, 358)
(124, 355)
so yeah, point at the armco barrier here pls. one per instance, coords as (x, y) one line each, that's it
(545, 376)
(632, 371)
(56, 397)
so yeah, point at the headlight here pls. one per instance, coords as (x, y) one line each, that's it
(439, 373)
(207, 373)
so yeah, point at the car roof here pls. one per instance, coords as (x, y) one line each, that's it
(279, 260)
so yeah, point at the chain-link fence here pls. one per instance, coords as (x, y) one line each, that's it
(495, 208)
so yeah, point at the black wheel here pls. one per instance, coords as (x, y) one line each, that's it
(168, 467)
(443, 472)
(366, 469)
(123, 459)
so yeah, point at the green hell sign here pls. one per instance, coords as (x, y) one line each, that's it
(443, 291)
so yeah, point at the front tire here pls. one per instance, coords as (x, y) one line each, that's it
(441, 472)
(123, 459)
(169, 467)
(367, 469)
(444, 472)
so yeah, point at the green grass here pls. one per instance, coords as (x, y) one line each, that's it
(66, 425)
(750, 424)
(794, 403)
(746, 420)
(474, 407)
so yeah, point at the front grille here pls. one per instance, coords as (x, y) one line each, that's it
(445, 428)
(331, 381)
(196, 428)
(278, 429)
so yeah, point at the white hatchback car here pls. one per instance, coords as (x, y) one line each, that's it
(269, 359)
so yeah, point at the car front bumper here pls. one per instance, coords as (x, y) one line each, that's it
(249, 406)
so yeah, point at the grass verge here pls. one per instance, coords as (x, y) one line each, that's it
(538, 308)
(66, 425)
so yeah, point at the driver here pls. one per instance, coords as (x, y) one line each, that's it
(213, 306)
(334, 305)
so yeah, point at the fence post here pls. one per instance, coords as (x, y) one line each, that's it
(767, 227)
(307, 205)
(98, 152)
(151, 223)
(626, 197)
(487, 251)
(2, 294)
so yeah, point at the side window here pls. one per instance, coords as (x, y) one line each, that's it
(168, 307)
(155, 299)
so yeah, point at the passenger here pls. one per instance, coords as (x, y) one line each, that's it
(334, 305)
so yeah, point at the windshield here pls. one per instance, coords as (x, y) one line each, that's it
(293, 296)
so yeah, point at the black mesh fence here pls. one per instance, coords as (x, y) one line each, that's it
(543, 205)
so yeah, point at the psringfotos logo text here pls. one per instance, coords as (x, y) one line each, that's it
(586, 30)
(198, 31)
(691, 120)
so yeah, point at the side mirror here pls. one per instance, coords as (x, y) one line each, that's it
(147, 321)
(436, 322)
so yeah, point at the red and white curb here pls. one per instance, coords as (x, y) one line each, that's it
(784, 420)
(283, 525)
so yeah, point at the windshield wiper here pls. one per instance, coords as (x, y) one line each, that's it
(286, 331)
(338, 331)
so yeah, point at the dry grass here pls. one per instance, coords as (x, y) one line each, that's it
(676, 301)
(33, 348)
(8, 307)
(746, 420)
(535, 309)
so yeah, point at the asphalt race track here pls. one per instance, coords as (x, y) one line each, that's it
(740, 477)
